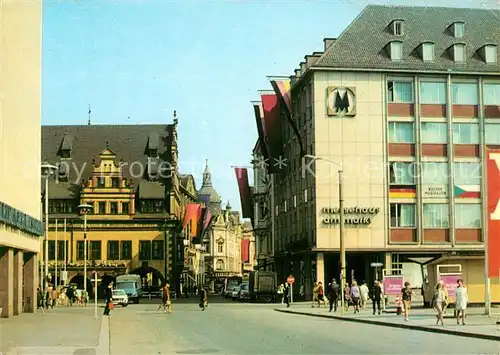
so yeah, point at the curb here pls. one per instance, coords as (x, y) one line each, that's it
(396, 325)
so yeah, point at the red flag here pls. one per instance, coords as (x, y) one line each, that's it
(245, 250)
(272, 124)
(192, 212)
(245, 192)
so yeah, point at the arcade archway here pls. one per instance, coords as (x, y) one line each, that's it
(77, 280)
(151, 277)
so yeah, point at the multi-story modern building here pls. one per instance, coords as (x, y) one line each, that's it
(407, 102)
(20, 115)
(129, 175)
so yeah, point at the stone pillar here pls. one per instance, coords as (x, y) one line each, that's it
(30, 282)
(18, 282)
(320, 268)
(7, 282)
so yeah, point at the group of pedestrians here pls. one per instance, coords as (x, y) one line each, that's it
(50, 297)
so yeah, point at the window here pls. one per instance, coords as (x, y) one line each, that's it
(305, 196)
(465, 133)
(145, 250)
(52, 250)
(428, 52)
(434, 132)
(102, 207)
(458, 29)
(459, 53)
(402, 173)
(113, 250)
(62, 206)
(115, 182)
(294, 201)
(101, 182)
(467, 173)
(400, 132)
(492, 133)
(60, 250)
(220, 265)
(95, 250)
(113, 207)
(490, 54)
(434, 173)
(436, 215)
(220, 247)
(79, 250)
(432, 93)
(125, 208)
(400, 91)
(402, 215)
(467, 215)
(491, 93)
(396, 50)
(158, 250)
(126, 250)
(397, 28)
(464, 93)
(152, 206)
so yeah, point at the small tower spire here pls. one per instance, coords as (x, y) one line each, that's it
(90, 111)
(175, 117)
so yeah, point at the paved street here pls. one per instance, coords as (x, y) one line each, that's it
(235, 328)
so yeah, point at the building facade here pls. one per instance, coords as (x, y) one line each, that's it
(248, 255)
(129, 175)
(406, 101)
(20, 118)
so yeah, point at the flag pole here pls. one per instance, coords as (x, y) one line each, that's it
(56, 251)
(65, 251)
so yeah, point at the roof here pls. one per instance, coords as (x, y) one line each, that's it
(207, 188)
(128, 142)
(362, 44)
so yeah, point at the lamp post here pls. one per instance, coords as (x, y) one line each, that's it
(341, 227)
(47, 170)
(84, 210)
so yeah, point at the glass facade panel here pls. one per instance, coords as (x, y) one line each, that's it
(401, 132)
(464, 93)
(467, 173)
(467, 215)
(492, 133)
(436, 133)
(434, 173)
(491, 94)
(400, 92)
(432, 93)
(402, 215)
(466, 133)
(402, 173)
(436, 215)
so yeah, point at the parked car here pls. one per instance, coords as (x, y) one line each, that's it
(244, 294)
(120, 298)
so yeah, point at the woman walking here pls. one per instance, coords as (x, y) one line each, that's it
(461, 300)
(166, 302)
(108, 293)
(440, 303)
(355, 296)
(406, 294)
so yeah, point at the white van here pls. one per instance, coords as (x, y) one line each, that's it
(131, 284)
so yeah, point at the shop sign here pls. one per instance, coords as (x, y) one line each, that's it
(18, 219)
(434, 191)
(341, 101)
(352, 215)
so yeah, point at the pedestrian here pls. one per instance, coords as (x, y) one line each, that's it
(40, 299)
(440, 302)
(363, 289)
(70, 293)
(406, 294)
(166, 302)
(355, 296)
(315, 298)
(321, 294)
(287, 294)
(203, 298)
(281, 293)
(333, 293)
(376, 297)
(347, 296)
(108, 295)
(461, 301)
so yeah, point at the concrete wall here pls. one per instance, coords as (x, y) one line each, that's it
(357, 143)
(20, 112)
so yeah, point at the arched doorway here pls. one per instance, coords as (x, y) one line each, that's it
(105, 281)
(77, 280)
(152, 279)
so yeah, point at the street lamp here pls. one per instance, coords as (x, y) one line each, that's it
(47, 170)
(341, 227)
(84, 210)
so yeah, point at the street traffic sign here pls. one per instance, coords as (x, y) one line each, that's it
(290, 279)
(376, 264)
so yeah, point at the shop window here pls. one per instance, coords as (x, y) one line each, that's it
(434, 173)
(464, 93)
(491, 94)
(402, 173)
(400, 91)
(401, 132)
(126, 250)
(436, 215)
(432, 93)
(465, 133)
(467, 173)
(434, 133)
(145, 250)
(403, 215)
(467, 215)
(157, 252)
(113, 250)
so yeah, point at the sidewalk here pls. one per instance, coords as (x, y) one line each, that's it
(477, 325)
(63, 330)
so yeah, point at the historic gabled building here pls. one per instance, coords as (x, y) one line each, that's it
(129, 175)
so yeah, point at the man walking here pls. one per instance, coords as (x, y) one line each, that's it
(376, 297)
(333, 295)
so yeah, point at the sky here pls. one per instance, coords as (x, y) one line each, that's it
(135, 62)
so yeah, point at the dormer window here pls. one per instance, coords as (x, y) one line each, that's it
(397, 27)
(395, 50)
(427, 51)
(458, 52)
(490, 54)
(458, 29)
